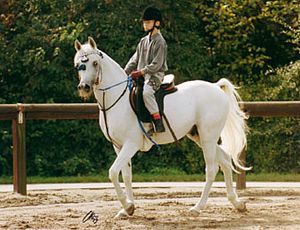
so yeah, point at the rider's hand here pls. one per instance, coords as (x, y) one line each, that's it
(136, 74)
(127, 72)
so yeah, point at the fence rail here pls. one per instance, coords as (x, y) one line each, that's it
(19, 113)
(90, 110)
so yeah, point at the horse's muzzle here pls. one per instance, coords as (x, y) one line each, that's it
(83, 86)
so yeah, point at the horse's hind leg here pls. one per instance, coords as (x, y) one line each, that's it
(224, 160)
(209, 151)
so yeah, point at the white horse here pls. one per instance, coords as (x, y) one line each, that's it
(201, 110)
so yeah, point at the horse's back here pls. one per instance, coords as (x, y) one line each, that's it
(197, 102)
(200, 94)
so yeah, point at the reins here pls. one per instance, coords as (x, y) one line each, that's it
(104, 110)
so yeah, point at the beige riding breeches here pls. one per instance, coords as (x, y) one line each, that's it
(151, 85)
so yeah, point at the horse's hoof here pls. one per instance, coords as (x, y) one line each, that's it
(130, 209)
(194, 211)
(241, 207)
(122, 214)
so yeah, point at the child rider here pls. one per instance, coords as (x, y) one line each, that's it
(150, 61)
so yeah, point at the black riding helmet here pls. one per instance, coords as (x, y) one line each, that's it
(152, 13)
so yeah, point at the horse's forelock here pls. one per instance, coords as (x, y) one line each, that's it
(85, 49)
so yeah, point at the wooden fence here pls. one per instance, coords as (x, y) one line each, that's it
(19, 113)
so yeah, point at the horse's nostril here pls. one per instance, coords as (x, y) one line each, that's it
(83, 86)
(87, 87)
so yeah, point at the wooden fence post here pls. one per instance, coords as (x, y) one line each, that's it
(241, 178)
(19, 153)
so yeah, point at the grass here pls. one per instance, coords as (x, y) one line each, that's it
(150, 177)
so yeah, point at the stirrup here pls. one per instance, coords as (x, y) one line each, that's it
(151, 132)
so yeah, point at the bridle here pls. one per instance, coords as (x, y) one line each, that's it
(128, 81)
(84, 58)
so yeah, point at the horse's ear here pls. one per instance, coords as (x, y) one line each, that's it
(92, 42)
(77, 45)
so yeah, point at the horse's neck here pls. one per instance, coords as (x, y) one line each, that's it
(112, 74)
(112, 70)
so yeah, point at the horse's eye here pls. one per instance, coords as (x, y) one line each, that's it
(81, 67)
(95, 63)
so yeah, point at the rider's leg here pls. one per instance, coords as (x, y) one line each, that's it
(151, 105)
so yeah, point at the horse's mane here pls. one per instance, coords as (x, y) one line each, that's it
(112, 61)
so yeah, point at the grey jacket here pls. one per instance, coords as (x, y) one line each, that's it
(151, 57)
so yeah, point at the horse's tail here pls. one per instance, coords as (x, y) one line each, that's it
(234, 133)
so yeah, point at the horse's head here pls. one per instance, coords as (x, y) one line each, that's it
(87, 63)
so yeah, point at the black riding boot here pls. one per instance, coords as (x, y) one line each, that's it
(158, 126)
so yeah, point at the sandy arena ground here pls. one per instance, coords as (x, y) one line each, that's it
(156, 208)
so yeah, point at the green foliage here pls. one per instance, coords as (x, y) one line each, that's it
(285, 83)
(67, 148)
(6, 163)
(254, 43)
(246, 38)
(280, 151)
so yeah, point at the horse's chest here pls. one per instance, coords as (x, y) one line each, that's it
(111, 126)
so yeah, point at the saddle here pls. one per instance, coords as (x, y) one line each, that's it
(137, 101)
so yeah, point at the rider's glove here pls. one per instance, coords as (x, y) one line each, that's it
(136, 74)
(127, 72)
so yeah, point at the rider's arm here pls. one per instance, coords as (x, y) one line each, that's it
(133, 62)
(158, 63)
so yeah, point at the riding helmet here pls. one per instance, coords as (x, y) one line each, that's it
(152, 13)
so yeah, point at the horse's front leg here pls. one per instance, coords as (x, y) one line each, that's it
(122, 163)
(127, 178)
